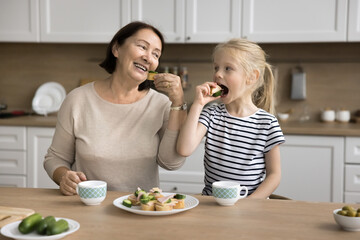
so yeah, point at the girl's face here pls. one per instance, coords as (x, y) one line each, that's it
(139, 54)
(230, 75)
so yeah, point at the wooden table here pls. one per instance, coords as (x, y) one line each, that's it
(248, 219)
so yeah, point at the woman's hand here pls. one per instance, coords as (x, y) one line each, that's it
(202, 93)
(171, 85)
(69, 181)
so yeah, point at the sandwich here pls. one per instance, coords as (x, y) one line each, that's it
(180, 198)
(216, 91)
(165, 203)
(148, 203)
(151, 75)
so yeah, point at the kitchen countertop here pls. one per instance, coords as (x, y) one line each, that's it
(247, 219)
(289, 127)
(30, 121)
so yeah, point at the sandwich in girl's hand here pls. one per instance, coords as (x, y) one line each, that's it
(216, 91)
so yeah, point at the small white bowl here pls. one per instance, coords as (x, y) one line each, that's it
(283, 116)
(347, 223)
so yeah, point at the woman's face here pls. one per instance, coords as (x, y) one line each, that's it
(139, 54)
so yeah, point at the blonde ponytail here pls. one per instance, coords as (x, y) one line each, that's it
(263, 96)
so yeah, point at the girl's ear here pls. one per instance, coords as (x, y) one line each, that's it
(254, 76)
(115, 50)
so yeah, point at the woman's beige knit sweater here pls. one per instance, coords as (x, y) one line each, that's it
(122, 144)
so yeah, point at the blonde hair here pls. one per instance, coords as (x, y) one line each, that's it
(252, 57)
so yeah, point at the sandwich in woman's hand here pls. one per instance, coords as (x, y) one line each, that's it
(151, 75)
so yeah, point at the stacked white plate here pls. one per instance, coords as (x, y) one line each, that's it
(48, 98)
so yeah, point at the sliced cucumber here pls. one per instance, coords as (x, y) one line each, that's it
(218, 93)
(127, 203)
(180, 196)
(145, 200)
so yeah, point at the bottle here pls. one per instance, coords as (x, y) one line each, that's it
(175, 70)
(184, 77)
(166, 69)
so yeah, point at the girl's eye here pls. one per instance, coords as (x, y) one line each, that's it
(216, 68)
(227, 68)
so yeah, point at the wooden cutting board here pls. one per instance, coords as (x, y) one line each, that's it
(10, 214)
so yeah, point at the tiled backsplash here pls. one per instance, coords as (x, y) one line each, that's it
(332, 69)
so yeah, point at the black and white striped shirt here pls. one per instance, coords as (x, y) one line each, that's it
(235, 147)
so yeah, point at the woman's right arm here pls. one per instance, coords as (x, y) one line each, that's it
(61, 154)
(192, 131)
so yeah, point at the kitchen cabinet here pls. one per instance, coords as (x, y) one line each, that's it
(13, 156)
(352, 169)
(295, 21)
(354, 21)
(82, 20)
(189, 178)
(22, 151)
(312, 168)
(39, 140)
(191, 21)
(19, 21)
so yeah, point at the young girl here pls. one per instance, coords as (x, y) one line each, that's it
(242, 135)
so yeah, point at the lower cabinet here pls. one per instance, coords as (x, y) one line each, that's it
(189, 178)
(312, 168)
(352, 170)
(22, 152)
(38, 141)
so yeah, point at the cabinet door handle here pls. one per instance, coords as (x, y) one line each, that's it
(174, 189)
(188, 38)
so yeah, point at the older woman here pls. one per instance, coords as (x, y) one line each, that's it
(119, 129)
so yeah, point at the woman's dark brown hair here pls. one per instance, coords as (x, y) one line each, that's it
(109, 64)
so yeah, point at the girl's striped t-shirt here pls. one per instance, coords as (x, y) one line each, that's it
(235, 147)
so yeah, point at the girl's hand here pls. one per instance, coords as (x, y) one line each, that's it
(171, 85)
(202, 94)
(69, 182)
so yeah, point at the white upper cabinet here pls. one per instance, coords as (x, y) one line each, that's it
(192, 21)
(82, 20)
(19, 20)
(166, 15)
(295, 21)
(354, 20)
(209, 21)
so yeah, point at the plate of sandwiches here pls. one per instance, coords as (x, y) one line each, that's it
(155, 202)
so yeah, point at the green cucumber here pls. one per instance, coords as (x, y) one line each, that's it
(138, 191)
(43, 224)
(218, 93)
(180, 196)
(145, 200)
(57, 227)
(29, 223)
(127, 203)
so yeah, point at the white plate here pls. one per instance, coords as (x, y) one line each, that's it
(48, 98)
(190, 202)
(11, 230)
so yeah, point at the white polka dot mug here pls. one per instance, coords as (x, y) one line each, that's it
(92, 192)
(227, 193)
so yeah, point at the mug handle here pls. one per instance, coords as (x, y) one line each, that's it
(77, 189)
(246, 192)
